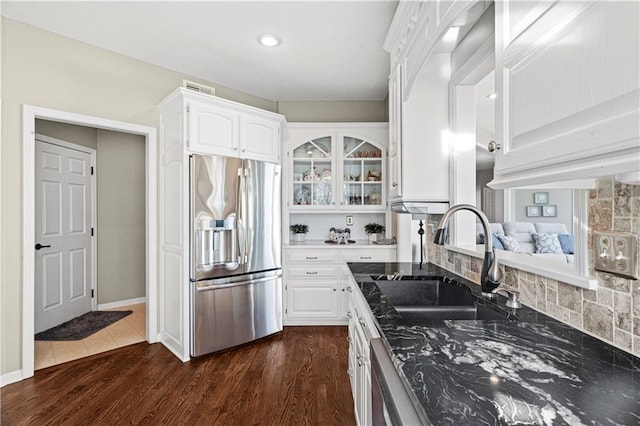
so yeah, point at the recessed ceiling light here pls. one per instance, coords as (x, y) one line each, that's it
(491, 96)
(269, 40)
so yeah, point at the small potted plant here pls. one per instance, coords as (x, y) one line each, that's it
(374, 230)
(298, 230)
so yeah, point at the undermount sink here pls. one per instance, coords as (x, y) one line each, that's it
(425, 292)
(476, 312)
(422, 298)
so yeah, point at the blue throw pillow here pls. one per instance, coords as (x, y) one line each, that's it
(566, 242)
(495, 240)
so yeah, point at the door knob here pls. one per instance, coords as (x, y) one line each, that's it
(493, 146)
(40, 246)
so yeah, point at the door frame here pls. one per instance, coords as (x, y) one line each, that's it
(29, 115)
(94, 213)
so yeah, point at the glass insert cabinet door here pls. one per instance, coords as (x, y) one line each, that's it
(362, 164)
(312, 173)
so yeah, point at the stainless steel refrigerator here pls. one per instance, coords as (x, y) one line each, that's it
(236, 266)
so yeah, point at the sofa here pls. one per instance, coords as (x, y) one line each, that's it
(532, 238)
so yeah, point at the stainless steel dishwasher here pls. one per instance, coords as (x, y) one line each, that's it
(390, 403)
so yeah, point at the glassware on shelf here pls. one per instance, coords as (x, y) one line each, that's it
(375, 198)
(302, 194)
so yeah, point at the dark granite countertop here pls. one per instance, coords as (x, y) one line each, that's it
(528, 370)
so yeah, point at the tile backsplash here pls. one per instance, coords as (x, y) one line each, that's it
(612, 311)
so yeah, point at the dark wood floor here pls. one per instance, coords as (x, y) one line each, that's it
(298, 377)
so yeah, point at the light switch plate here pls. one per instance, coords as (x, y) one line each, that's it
(349, 220)
(616, 253)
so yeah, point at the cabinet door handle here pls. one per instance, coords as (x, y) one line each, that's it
(312, 273)
(350, 315)
(394, 184)
(365, 257)
(235, 148)
(349, 339)
(244, 149)
(311, 257)
(334, 289)
(349, 289)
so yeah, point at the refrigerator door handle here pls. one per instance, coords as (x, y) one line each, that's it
(241, 200)
(234, 284)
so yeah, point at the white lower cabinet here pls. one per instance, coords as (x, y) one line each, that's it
(317, 281)
(361, 330)
(315, 300)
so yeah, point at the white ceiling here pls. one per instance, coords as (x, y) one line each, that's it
(331, 50)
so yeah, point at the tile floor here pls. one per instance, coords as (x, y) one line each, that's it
(129, 330)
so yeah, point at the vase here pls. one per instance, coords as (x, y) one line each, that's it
(298, 238)
(373, 238)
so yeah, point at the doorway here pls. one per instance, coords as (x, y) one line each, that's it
(64, 251)
(30, 114)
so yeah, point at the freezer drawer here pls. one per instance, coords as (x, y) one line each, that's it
(231, 311)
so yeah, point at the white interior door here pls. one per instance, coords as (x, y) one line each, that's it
(63, 228)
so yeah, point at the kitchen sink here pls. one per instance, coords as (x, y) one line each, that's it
(429, 292)
(434, 299)
(476, 312)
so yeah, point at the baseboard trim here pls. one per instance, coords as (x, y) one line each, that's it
(12, 377)
(314, 322)
(122, 303)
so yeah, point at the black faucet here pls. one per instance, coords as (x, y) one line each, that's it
(490, 275)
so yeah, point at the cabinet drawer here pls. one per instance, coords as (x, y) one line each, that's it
(311, 256)
(366, 256)
(313, 271)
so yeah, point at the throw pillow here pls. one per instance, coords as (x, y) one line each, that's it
(497, 244)
(566, 242)
(510, 243)
(547, 243)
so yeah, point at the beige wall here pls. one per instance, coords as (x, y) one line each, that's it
(46, 70)
(332, 112)
(121, 216)
(79, 135)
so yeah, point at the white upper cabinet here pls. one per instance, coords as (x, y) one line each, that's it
(568, 91)
(336, 166)
(212, 129)
(417, 30)
(221, 127)
(260, 138)
(419, 144)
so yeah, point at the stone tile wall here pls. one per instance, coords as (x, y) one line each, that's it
(612, 311)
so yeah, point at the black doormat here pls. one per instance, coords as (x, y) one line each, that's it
(82, 326)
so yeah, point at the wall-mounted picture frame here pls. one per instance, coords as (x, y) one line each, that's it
(550, 210)
(540, 198)
(534, 211)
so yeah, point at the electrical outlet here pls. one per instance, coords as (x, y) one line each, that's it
(616, 253)
(349, 220)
